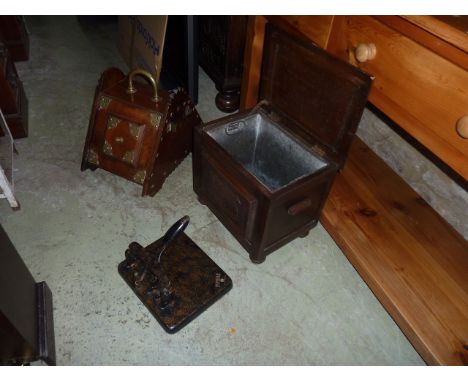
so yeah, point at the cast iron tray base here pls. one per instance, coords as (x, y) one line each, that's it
(196, 281)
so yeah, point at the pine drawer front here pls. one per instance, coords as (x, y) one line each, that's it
(423, 92)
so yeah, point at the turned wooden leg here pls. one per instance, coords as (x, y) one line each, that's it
(228, 100)
(257, 258)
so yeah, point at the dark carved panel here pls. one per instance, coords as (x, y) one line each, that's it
(221, 55)
(13, 102)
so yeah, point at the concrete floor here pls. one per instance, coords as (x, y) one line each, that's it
(306, 305)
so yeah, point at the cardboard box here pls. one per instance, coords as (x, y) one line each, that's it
(141, 42)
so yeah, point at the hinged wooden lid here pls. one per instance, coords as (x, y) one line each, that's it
(319, 97)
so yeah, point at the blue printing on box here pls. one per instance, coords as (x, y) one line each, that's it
(149, 40)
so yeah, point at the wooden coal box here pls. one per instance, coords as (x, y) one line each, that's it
(266, 172)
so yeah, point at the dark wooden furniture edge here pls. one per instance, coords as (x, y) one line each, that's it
(45, 324)
(26, 311)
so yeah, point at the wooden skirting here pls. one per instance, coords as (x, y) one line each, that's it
(411, 258)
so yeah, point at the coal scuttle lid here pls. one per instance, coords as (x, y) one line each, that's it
(320, 97)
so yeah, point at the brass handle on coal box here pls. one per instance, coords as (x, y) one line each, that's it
(148, 76)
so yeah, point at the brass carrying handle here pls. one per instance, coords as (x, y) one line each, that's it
(148, 76)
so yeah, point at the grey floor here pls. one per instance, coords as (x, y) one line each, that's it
(306, 305)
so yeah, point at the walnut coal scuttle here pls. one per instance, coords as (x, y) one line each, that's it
(266, 173)
(137, 131)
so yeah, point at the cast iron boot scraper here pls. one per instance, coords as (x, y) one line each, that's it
(173, 277)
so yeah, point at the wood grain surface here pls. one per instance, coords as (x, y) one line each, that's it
(410, 257)
(452, 29)
(420, 90)
(253, 56)
(413, 261)
(421, 79)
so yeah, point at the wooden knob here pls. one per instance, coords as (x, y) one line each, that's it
(365, 52)
(462, 127)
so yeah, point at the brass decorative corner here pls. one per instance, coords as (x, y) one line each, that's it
(112, 122)
(128, 157)
(140, 176)
(103, 102)
(155, 119)
(134, 129)
(93, 157)
(107, 148)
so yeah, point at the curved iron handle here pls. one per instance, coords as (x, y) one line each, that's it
(176, 229)
(131, 89)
